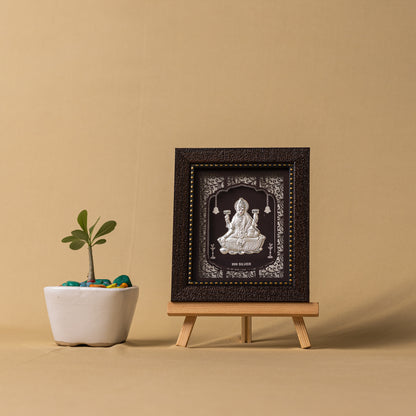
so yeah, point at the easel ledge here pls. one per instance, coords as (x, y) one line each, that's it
(191, 310)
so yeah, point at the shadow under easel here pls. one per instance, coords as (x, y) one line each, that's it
(235, 343)
(394, 329)
(387, 321)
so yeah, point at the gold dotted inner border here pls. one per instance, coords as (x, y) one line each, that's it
(191, 212)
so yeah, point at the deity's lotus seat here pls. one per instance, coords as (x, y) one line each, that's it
(245, 245)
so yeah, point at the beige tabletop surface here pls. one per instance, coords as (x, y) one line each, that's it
(364, 369)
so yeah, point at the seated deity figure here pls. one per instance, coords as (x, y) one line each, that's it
(243, 235)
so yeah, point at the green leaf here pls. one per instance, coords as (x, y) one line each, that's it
(82, 220)
(76, 244)
(80, 235)
(68, 239)
(102, 241)
(106, 228)
(92, 228)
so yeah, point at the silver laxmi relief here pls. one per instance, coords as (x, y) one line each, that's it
(243, 235)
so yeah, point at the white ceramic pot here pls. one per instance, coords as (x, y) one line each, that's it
(93, 316)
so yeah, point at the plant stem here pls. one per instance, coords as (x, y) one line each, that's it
(91, 274)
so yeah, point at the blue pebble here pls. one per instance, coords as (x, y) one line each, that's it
(104, 282)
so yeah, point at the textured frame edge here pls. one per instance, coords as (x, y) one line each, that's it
(181, 290)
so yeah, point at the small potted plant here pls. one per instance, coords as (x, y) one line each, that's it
(95, 312)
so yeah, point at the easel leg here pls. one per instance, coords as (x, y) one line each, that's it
(186, 331)
(246, 329)
(301, 331)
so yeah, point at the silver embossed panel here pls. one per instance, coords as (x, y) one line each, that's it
(241, 230)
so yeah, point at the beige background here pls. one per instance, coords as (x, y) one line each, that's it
(95, 96)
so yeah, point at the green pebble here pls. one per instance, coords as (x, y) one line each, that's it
(105, 282)
(122, 279)
(71, 283)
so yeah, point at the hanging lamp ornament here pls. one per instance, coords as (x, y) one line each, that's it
(267, 210)
(215, 210)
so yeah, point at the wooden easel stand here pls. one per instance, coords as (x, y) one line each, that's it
(192, 310)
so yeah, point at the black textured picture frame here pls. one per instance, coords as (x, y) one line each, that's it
(209, 268)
